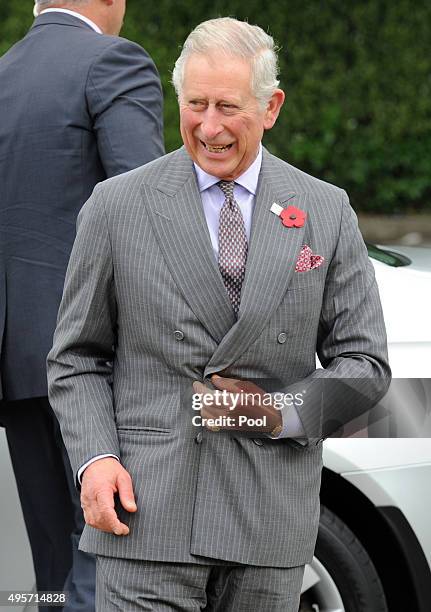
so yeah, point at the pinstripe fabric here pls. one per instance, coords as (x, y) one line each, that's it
(142, 268)
(132, 586)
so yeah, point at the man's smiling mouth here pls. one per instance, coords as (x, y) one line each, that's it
(216, 148)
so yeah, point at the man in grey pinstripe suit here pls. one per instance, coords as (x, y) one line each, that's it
(181, 517)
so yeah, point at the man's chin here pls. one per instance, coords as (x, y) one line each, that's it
(221, 169)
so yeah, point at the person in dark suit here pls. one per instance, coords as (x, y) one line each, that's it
(79, 104)
(217, 265)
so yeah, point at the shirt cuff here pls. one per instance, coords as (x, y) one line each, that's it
(96, 458)
(292, 426)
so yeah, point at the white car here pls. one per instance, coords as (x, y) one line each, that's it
(373, 552)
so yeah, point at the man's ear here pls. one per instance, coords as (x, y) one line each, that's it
(273, 108)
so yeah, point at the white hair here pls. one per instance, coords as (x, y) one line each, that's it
(235, 39)
(39, 5)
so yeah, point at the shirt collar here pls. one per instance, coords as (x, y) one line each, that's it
(247, 179)
(92, 25)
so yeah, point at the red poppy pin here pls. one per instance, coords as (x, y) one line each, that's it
(290, 216)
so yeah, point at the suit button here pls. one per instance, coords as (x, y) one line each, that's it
(281, 338)
(178, 335)
(258, 441)
(198, 438)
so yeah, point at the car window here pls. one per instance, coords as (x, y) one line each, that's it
(386, 256)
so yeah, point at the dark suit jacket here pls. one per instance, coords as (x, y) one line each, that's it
(77, 107)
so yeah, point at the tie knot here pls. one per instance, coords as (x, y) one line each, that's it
(227, 188)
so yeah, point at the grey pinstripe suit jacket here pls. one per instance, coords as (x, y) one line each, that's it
(141, 268)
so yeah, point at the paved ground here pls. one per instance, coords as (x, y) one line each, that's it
(410, 230)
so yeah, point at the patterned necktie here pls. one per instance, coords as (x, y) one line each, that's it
(232, 245)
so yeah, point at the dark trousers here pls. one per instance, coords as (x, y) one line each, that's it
(49, 501)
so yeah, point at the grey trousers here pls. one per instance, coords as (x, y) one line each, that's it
(130, 586)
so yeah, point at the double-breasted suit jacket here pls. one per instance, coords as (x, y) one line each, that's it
(145, 312)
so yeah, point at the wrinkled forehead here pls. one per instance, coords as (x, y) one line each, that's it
(209, 70)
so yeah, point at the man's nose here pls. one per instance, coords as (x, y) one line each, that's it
(211, 125)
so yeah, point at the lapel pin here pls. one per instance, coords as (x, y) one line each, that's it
(290, 216)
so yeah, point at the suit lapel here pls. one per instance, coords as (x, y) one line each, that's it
(273, 252)
(178, 220)
(177, 217)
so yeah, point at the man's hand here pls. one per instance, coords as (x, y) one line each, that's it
(241, 398)
(100, 481)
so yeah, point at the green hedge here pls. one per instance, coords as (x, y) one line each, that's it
(357, 75)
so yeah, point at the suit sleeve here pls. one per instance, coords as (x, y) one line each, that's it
(351, 345)
(80, 361)
(124, 99)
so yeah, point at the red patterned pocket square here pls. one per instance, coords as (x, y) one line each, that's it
(307, 261)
